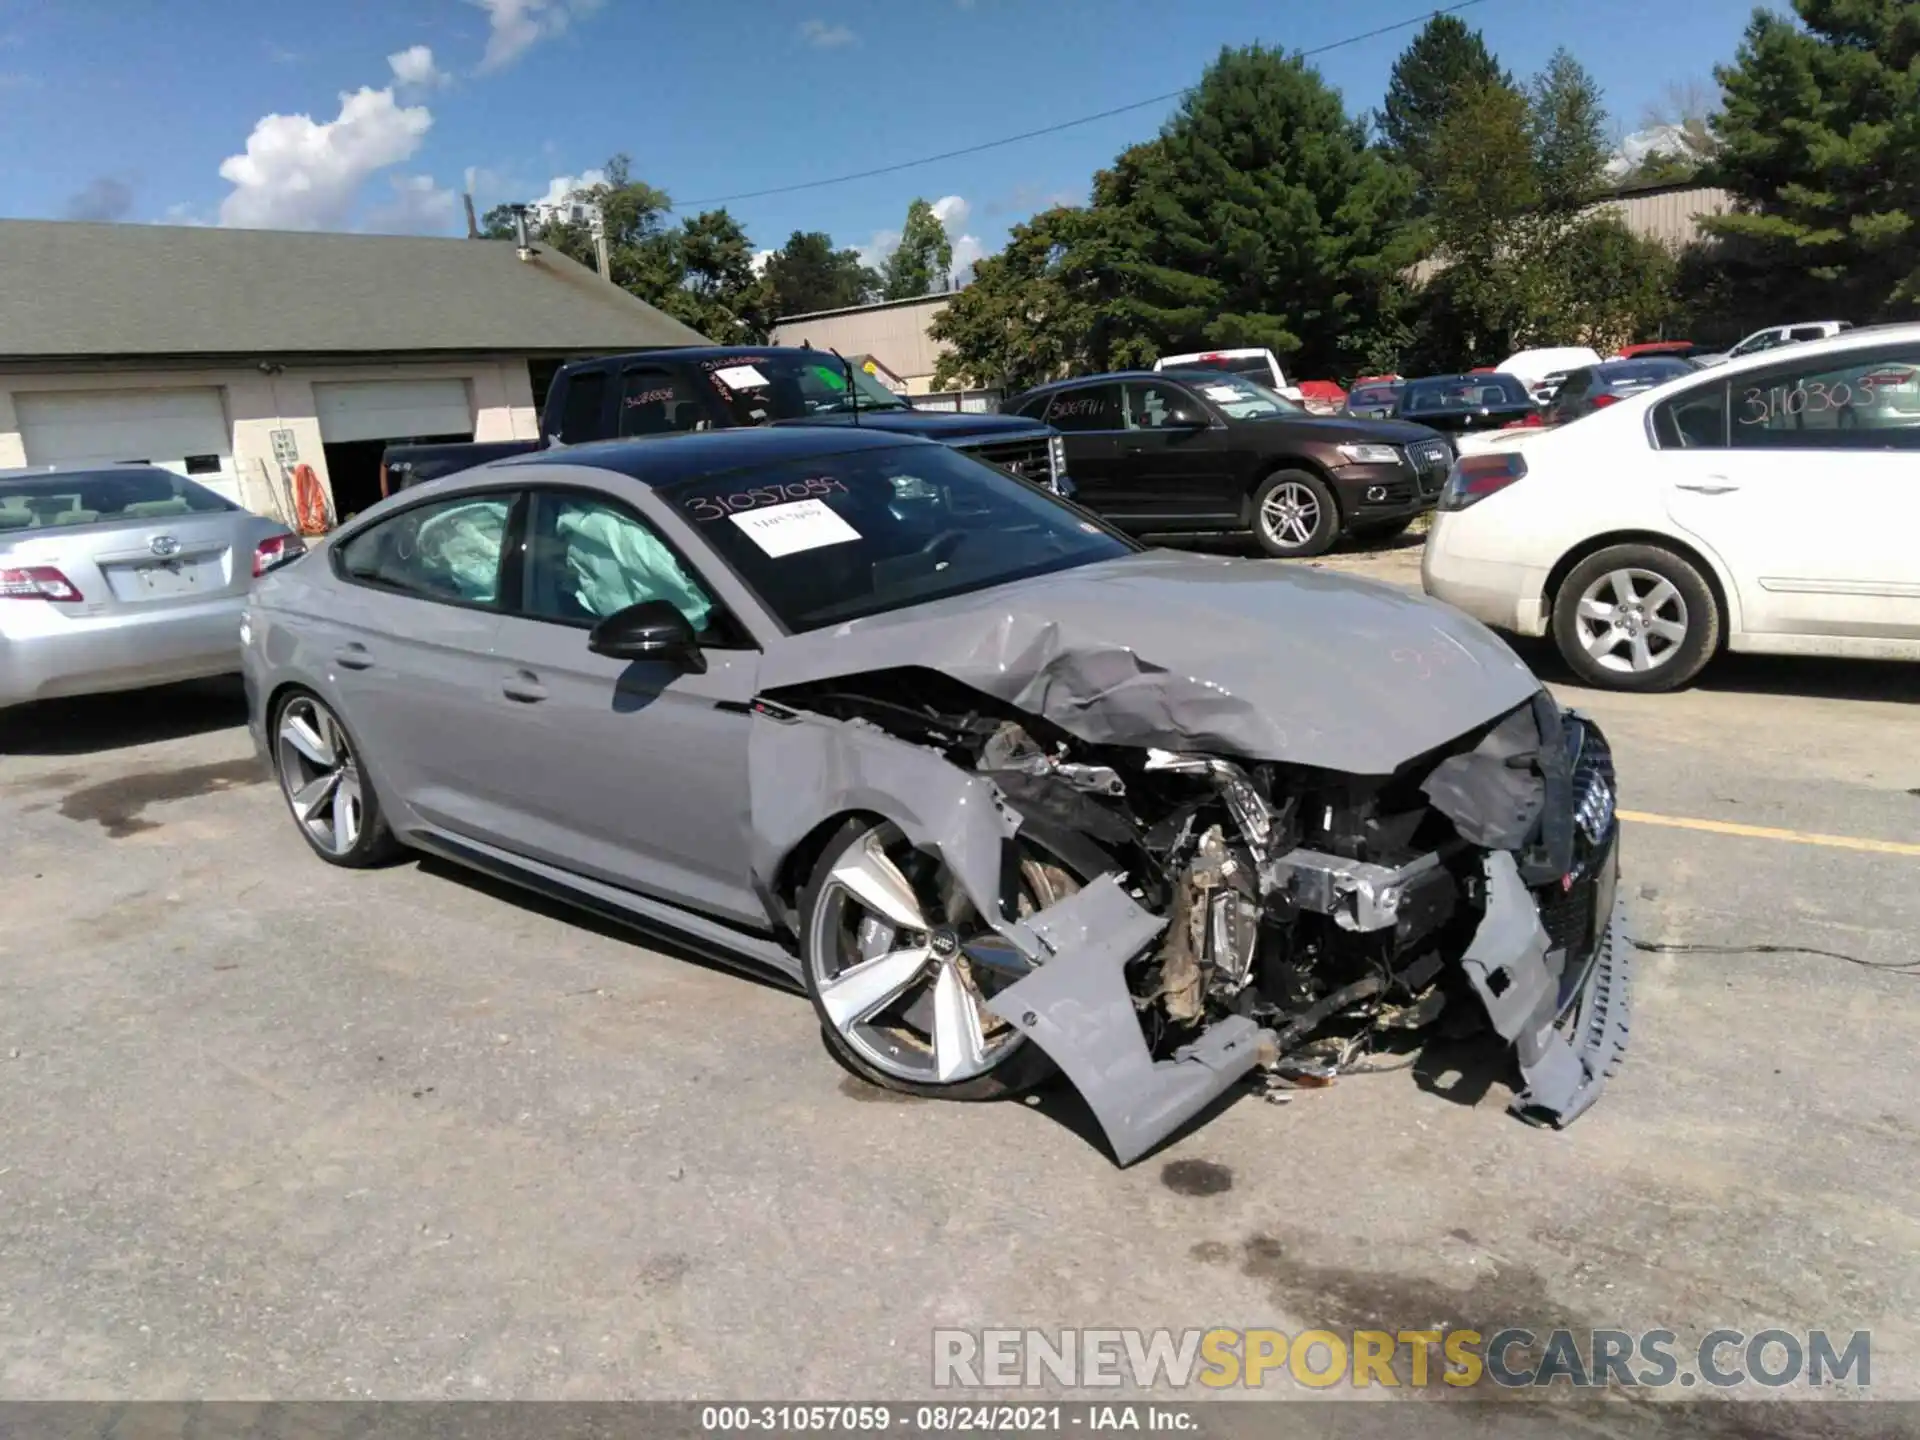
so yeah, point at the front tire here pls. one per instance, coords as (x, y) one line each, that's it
(326, 789)
(883, 931)
(1637, 618)
(1295, 515)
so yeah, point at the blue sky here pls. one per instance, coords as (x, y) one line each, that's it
(375, 114)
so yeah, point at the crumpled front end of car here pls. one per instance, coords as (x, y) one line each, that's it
(1242, 914)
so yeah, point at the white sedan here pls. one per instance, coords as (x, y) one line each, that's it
(1770, 505)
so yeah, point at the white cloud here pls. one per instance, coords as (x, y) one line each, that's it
(515, 26)
(561, 188)
(299, 174)
(952, 211)
(182, 214)
(418, 207)
(414, 66)
(877, 251)
(822, 36)
(760, 259)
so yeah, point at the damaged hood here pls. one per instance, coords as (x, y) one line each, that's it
(1197, 652)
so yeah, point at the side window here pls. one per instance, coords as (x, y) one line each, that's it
(589, 558)
(448, 550)
(1693, 420)
(1093, 407)
(657, 401)
(1574, 386)
(1861, 401)
(1156, 407)
(1808, 332)
(580, 415)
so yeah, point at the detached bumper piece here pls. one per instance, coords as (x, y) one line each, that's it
(1077, 1008)
(1566, 1047)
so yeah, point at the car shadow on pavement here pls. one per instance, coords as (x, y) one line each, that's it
(89, 723)
(1814, 678)
(583, 916)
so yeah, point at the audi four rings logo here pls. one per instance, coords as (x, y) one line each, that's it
(164, 545)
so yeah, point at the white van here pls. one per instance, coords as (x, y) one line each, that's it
(1258, 365)
(1541, 371)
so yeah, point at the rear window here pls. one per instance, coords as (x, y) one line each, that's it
(1466, 392)
(1654, 370)
(1373, 395)
(101, 497)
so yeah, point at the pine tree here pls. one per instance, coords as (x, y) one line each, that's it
(1444, 60)
(1820, 145)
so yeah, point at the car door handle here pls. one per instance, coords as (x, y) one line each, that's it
(353, 657)
(524, 687)
(1709, 489)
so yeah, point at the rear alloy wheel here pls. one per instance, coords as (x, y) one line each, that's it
(1294, 515)
(899, 964)
(1636, 617)
(329, 795)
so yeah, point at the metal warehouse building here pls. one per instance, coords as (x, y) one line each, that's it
(234, 356)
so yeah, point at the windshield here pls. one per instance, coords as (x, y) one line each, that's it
(1462, 392)
(100, 497)
(793, 385)
(834, 538)
(1239, 398)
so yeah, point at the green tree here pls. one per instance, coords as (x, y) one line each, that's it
(808, 274)
(717, 291)
(1820, 145)
(1443, 60)
(1032, 313)
(1568, 123)
(1258, 217)
(922, 261)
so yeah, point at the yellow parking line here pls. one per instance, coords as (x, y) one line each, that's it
(1768, 832)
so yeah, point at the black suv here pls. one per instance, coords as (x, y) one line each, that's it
(1200, 450)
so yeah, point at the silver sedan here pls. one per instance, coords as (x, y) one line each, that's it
(1001, 789)
(118, 577)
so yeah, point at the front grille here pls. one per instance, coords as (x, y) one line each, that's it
(1026, 458)
(1431, 460)
(1567, 916)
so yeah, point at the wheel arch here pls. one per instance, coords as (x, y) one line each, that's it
(1723, 593)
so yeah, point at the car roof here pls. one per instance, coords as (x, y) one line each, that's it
(1230, 352)
(82, 467)
(1105, 375)
(1847, 341)
(709, 352)
(1468, 377)
(659, 461)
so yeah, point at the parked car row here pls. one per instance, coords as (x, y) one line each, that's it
(1768, 504)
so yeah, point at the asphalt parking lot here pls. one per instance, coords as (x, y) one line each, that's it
(277, 1130)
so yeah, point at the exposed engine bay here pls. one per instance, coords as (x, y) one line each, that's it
(1269, 915)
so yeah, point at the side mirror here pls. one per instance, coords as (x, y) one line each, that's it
(1187, 417)
(1063, 487)
(652, 630)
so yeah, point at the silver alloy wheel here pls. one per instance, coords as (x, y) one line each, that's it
(1632, 620)
(902, 991)
(319, 774)
(1289, 515)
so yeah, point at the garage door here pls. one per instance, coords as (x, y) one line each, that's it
(391, 409)
(183, 430)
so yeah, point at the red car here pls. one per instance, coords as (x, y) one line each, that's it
(1681, 349)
